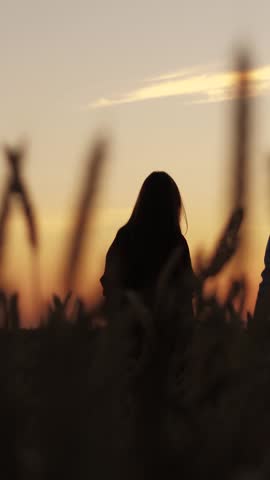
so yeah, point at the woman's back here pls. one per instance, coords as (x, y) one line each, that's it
(134, 262)
(142, 248)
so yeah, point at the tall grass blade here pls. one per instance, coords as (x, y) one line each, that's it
(242, 133)
(242, 151)
(84, 212)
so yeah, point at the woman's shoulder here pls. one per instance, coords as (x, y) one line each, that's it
(123, 234)
(120, 240)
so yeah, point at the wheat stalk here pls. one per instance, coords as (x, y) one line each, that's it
(84, 212)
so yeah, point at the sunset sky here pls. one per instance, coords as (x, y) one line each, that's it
(156, 77)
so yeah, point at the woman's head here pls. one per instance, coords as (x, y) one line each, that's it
(159, 204)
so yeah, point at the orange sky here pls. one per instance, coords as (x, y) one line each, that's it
(54, 234)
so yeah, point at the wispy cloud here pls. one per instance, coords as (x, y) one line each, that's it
(176, 75)
(198, 85)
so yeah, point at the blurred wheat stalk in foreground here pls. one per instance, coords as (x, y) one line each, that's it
(16, 190)
(16, 187)
(85, 212)
(234, 239)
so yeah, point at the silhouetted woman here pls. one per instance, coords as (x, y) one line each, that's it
(143, 246)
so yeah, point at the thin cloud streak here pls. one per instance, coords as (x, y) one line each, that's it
(174, 75)
(185, 72)
(205, 87)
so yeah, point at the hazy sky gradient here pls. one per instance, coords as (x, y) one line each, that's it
(57, 57)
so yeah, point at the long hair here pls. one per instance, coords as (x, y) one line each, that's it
(159, 205)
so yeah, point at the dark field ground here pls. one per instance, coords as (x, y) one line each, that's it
(138, 399)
